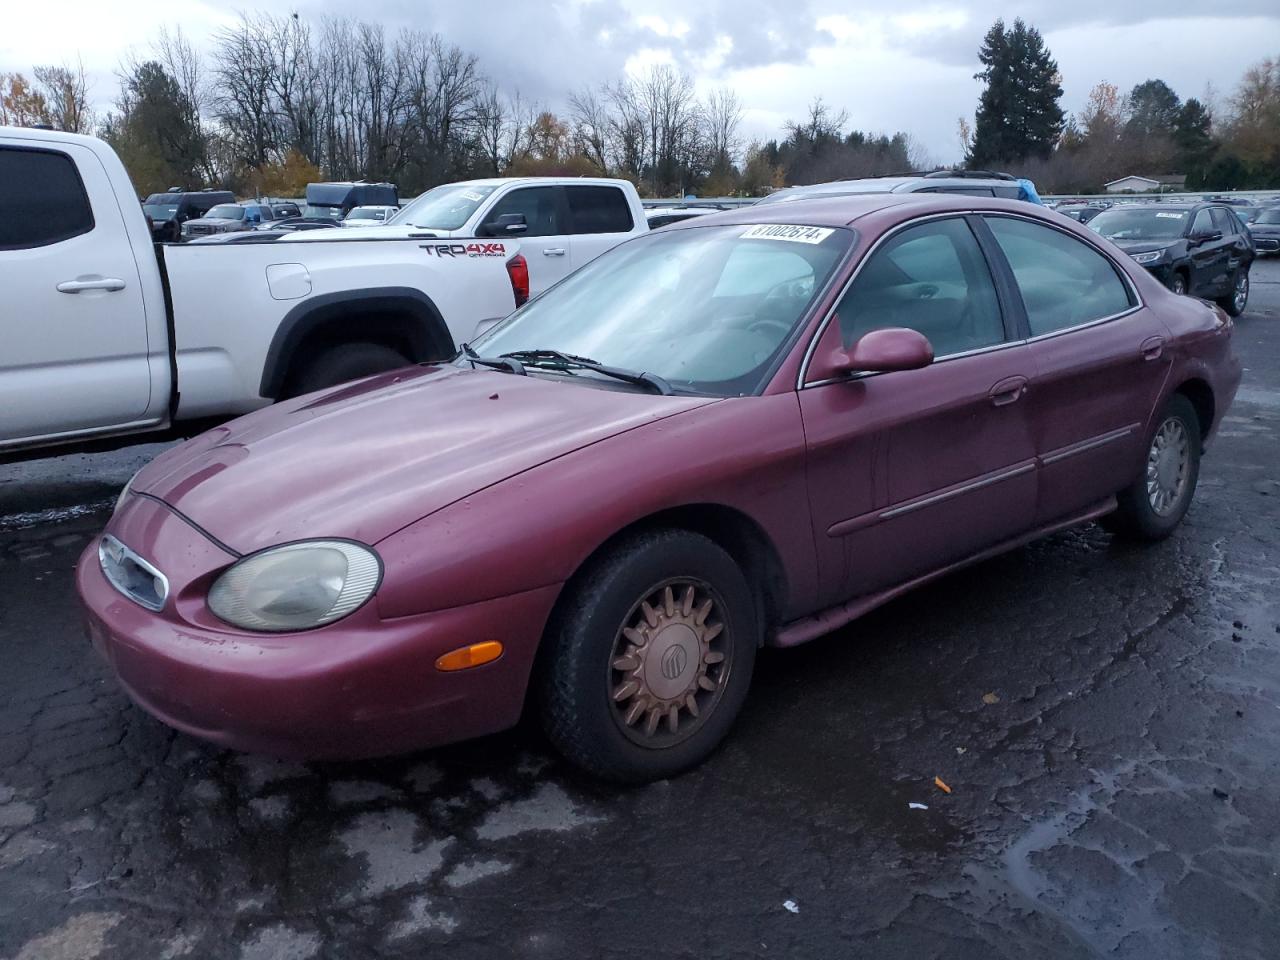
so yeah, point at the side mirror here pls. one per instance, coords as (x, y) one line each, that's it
(506, 225)
(881, 351)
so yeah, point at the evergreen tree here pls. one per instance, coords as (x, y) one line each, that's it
(1154, 109)
(1018, 113)
(155, 132)
(1193, 136)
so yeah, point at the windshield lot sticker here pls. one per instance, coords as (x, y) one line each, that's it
(785, 231)
(464, 249)
(1171, 216)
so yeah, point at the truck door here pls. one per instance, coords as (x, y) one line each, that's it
(72, 321)
(600, 220)
(545, 244)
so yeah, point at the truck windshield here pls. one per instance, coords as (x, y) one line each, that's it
(160, 211)
(226, 211)
(707, 309)
(444, 208)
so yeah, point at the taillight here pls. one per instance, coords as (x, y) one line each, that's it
(518, 271)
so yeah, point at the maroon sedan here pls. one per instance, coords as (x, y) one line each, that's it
(749, 429)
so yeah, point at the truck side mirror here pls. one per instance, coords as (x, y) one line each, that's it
(506, 225)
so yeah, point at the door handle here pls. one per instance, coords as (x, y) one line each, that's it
(1009, 390)
(1152, 348)
(553, 251)
(110, 284)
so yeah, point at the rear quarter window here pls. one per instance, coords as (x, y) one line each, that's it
(42, 199)
(599, 210)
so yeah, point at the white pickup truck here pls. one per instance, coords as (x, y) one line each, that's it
(561, 222)
(104, 335)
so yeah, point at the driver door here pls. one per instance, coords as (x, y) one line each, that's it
(546, 244)
(912, 470)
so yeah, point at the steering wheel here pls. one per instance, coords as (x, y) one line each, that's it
(759, 326)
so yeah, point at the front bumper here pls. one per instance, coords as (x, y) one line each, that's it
(361, 687)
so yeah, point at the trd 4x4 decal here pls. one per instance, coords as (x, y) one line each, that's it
(465, 249)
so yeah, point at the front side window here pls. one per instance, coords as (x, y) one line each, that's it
(1063, 281)
(540, 207)
(709, 309)
(1202, 224)
(931, 278)
(599, 210)
(42, 199)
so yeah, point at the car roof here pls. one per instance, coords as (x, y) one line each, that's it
(843, 211)
(895, 184)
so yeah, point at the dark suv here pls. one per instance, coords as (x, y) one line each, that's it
(169, 211)
(1198, 248)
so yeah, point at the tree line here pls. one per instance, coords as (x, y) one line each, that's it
(274, 102)
(1149, 131)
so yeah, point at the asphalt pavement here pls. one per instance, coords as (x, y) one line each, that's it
(1106, 716)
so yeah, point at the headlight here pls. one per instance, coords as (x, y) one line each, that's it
(297, 586)
(1151, 257)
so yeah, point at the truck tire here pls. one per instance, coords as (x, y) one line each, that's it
(340, 364)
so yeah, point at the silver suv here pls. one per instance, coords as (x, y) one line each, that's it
(974, 183)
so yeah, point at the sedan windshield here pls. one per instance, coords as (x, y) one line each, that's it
(1140, 224)
(706, 309)
(160, 211)
(226, 211)
(444, 208)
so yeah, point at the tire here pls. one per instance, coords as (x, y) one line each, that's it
(1236, 301)
(602, 643)
(340, 364)
(1178, 283)
(1138, 516)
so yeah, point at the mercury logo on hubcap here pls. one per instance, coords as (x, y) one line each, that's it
(673, 662)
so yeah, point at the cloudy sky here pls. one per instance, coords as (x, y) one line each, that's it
(893, 66)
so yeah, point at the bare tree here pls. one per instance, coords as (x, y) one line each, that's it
(66, 96)
(591, 126)
(722, 116)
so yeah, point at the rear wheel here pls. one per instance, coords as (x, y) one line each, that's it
(1153, 505)
(349, 362)
(1235, 302)
(649, 660)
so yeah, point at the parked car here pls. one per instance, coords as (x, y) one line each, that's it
(228, 218)
(749, 428)
(1198, 248)
(368, 216)
(329, 203)
(169, 211)
(283, 209)
(665, 216)
(971, 183)
(108, 338)
(562, 222)
(1265, 229)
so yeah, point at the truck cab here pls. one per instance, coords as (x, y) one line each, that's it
(561, 223)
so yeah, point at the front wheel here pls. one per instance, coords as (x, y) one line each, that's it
(1153, 505)
(649, 659)
(1235, 302)
(1178, 283)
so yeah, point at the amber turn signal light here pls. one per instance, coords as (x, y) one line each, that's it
(473, 656)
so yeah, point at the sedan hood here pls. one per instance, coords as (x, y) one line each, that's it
(365, 459)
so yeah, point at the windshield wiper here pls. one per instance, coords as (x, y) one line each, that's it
(556, 360)
(509, 364)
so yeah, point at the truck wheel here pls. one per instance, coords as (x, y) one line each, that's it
(340, 364)
(1153, 505)
(648, 660)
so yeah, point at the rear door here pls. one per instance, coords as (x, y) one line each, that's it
(73, 324)
(1208, 257)
(1099, 359)
(1236, 241)
(545, 244)
(600, 219)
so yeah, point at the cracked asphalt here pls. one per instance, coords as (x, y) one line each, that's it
(1107, 716)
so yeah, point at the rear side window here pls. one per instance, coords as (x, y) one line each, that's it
(931, 278)
(599, 210)
(1063, 281)
(42, 199)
